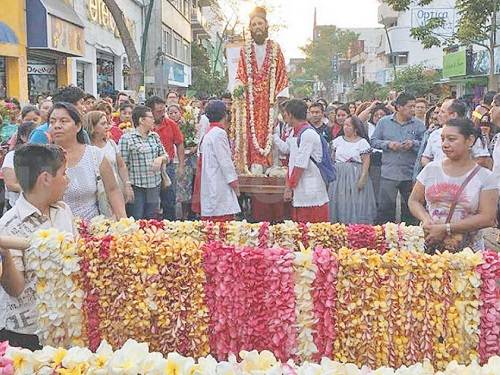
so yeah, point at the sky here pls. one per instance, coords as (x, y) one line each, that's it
(297, 17)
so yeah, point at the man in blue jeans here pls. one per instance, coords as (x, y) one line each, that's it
(173, 142)
(399, 136)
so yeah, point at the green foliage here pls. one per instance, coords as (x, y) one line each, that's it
(319, 55)
(369, 91)
(415, 79)
(205, 82)
(300, 88)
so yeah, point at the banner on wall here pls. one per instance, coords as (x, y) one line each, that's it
(421, 16)
(455, 64)
(233, 58)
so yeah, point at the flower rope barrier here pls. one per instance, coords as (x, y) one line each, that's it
(355, 294)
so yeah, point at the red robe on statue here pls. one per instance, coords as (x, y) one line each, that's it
(261, 90)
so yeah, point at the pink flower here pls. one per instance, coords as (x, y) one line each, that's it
(324, 294)
(251, 300)
(489, 338)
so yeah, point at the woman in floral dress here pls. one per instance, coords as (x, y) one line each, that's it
(184, 190)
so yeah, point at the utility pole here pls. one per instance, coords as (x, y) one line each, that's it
(147, 21)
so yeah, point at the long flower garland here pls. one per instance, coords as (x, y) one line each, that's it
(305, 272)
(135, 358)
(155, 282)
(269, 66)
(52, 263)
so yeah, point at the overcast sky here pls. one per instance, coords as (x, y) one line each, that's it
(298, 16)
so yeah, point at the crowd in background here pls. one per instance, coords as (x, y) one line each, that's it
(140, 160)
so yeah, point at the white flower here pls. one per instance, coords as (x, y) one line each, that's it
(154, 364)
(205, 366)
(22, 360)
(178, 365)
(76, 356)
(128, 360)
(44, 356)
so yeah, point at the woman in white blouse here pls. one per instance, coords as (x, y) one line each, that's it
(352, 200)
(97, 127)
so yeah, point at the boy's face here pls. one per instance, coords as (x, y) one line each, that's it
(58, 184)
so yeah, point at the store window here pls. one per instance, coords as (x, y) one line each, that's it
(178, 47)
(3, 78)
(42, 78)
(187, 52)
(80, 75)
(169, 41)
(105, 74)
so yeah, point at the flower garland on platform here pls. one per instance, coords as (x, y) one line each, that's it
(489, 336)
(250, 291)
(305, 272)
(268, 67)
(289, 234)
(162, 283)
(135, 358)
(52, 264)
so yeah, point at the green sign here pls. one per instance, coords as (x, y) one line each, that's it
(454, 64)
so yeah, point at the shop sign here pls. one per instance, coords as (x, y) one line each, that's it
(42, 69)
(98, 13)
(455, 64)
(481, 62)
(178, 74)
(421, 16)
(66, 37)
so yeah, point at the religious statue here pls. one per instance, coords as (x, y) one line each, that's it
(261, 80)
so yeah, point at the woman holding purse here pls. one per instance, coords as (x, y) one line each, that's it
(87, 167)
(461, 197)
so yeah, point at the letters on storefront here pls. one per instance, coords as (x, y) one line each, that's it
(98, 13)
(66, 37)
(41, 69)
(421, 16)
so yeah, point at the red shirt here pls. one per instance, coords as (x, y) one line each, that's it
(170, 135)
(116, 133)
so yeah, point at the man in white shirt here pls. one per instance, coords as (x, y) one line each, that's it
(218, 188)
(495, 117)
(305, 186)
(41, 172)
(453, 108)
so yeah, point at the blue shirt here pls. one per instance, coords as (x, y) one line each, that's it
(398, 165)
(39, 135)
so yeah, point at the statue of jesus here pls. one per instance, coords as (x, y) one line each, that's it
(262, 73)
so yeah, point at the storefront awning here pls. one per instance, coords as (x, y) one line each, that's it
(477, 79)
(54, 25)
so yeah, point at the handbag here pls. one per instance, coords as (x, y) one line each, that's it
(456, 241)
(102, 198)
(166, 182)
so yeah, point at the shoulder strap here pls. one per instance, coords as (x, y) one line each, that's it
(460, 191)
(96, 164)
(301, 132)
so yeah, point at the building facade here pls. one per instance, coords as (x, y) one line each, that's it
(400, 48)
(39, 38)
(168, 53)
(104, 66)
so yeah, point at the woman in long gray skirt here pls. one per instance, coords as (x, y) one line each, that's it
(352, 200)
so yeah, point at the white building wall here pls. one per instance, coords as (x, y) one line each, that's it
(402, 41)
(99, 38)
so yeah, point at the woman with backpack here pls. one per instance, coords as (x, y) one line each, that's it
(352, 200)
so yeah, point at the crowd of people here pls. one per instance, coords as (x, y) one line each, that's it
(73, 156)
